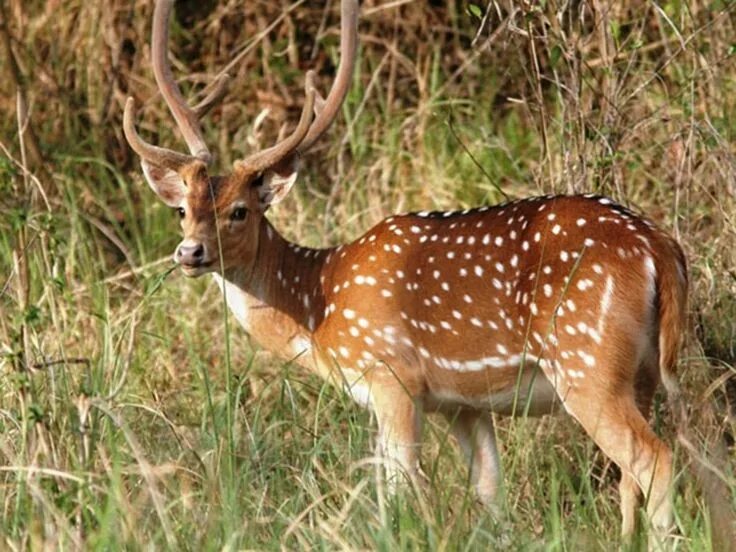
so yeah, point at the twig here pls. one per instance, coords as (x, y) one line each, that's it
(60, 361)
(123, 275)
(26, 173)
(256, 39)
(146, 470)
(470, 60)
(486, 16)
(19, 81)
(387, 6)
(482, 169)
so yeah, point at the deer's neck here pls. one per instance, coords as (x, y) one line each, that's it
(280, 300)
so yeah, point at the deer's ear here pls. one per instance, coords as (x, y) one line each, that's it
(167, 184)
(277, 181)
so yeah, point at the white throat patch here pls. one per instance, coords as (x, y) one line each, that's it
(236, 299)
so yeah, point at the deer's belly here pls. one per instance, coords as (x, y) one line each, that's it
(529, 394)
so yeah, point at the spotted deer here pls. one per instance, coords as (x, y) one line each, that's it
(545, 303)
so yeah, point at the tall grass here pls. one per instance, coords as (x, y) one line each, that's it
(131, 415)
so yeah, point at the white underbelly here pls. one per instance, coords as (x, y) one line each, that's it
(533, 395)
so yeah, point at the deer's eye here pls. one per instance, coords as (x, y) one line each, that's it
(181, 212)
(238, 213)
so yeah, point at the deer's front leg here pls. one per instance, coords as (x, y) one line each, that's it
(399, 418)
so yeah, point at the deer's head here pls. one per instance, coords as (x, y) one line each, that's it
(221, 215)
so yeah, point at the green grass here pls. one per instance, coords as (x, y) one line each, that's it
(148, 421)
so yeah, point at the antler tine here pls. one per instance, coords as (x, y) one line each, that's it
(161, 157)
(348, 50)
(271, 156)
(213, 98)
(186, 118)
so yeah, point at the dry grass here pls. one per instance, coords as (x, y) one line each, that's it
(119, 427)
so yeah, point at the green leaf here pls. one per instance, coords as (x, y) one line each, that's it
(554, 55)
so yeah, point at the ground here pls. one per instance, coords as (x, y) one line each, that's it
(135, 412)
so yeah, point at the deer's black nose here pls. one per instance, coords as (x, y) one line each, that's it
(190, 254)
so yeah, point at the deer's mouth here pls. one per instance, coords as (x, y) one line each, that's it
(194, 270)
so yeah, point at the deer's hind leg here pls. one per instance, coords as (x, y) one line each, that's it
(629, 491)
(598, 388)
(476, 435)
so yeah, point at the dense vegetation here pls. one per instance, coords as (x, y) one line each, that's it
(133, 411)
